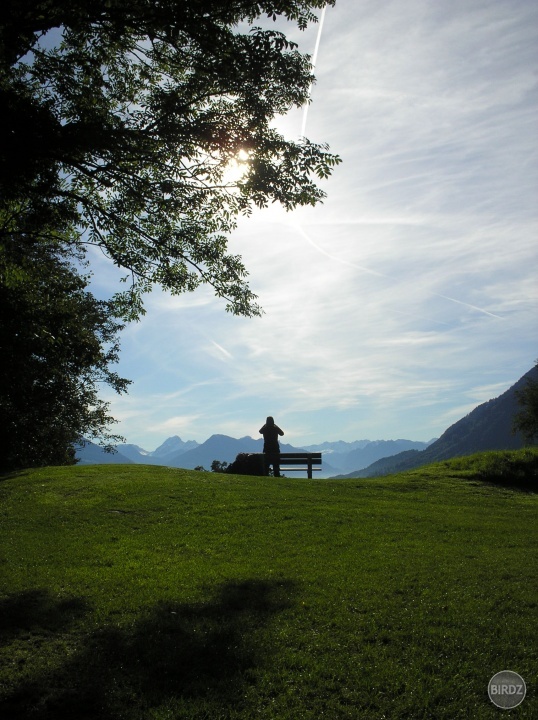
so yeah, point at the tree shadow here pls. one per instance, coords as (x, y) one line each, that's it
(524, 485)
(9, 474)
(37, 611)
(175, 653)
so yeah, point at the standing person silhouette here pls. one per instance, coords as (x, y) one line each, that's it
(271, 448)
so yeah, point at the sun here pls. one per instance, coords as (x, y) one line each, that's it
(237, 168)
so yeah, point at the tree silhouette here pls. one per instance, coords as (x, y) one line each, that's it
(526, 420)
(123, 119)
(57, 343)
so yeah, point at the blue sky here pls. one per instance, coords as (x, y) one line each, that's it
(409, 296)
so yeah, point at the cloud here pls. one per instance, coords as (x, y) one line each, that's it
(410, 294)
(174, 425)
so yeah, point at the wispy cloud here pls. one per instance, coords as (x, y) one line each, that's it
(410, 295)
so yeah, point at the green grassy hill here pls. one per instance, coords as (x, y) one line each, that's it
(143, 592)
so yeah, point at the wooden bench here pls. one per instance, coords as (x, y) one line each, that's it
(305, 459)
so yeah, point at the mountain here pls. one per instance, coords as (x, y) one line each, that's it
(223, 448)
(335, 454)
(217, 447)
(338, 456)
(362, 457)
(92, 454)
(339, 447)
(392, 464)
(487, 427)
(347, 456)
(135, 453)
(172, 447)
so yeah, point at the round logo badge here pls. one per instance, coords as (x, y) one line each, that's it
(507, 689)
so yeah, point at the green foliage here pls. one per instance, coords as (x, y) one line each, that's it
(512, 468)
(122, 122)
(123, 118)
(162, 593)
(249, 464)
(526, 420)
(218, 466)
(57, 343)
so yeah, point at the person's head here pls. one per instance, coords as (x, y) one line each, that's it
(269, 421)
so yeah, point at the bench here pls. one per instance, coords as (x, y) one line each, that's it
(306, 461)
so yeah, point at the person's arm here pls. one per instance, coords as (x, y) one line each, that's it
(280, 432)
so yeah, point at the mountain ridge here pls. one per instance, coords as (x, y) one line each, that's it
(487, 427)
(174, 452)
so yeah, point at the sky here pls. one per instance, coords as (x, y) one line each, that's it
(409, 296)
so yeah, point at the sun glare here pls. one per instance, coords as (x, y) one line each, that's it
(237, 168)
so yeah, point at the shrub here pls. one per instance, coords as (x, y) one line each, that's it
(248, 464)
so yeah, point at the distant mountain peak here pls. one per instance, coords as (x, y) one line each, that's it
(174, 444)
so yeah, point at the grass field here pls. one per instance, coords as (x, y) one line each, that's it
(141, 592)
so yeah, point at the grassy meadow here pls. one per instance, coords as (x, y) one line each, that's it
(132, 592)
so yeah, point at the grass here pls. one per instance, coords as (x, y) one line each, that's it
(141, 592)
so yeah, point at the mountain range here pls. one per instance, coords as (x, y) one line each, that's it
(487, 427)
(338, 457)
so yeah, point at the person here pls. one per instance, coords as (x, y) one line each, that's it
(271, 448)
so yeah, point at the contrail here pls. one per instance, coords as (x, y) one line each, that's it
(222, 350)
(314, 60)
(472, 307)
(337, 259)
(389, 277)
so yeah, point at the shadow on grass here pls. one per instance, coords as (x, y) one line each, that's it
(36, 611)
(517, 471)
(509, 469)
(175, 654)
(525, 485)
(9, 474)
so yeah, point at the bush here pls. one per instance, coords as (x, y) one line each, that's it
(248, 464)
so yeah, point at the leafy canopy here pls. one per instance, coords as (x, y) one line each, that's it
(526, 420)
(57, 343)
(122, 118)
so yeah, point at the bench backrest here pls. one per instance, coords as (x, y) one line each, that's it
(301, 458)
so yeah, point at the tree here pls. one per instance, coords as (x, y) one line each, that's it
(56, 343)
(526, 420)
(123, 117)
(121, 123)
